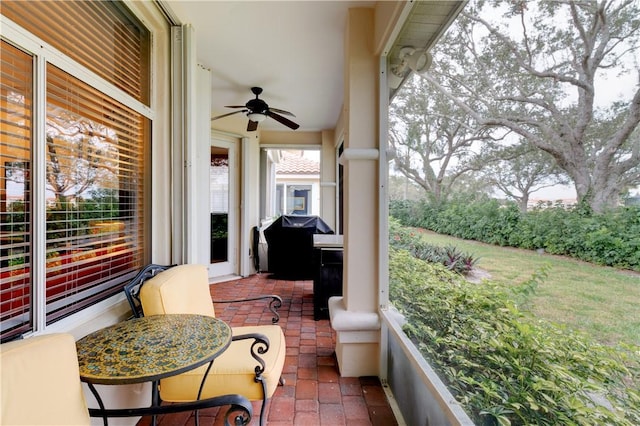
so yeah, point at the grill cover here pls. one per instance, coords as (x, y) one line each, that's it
(290, 245)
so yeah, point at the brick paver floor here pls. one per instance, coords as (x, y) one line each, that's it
(314, 393)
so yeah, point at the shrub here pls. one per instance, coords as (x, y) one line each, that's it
(501, 364)
(452, 258)
(611, 238)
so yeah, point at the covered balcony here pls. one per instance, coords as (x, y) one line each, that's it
(180, 174)
(313, 393)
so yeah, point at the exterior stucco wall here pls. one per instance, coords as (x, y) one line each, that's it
(387, 19)
(291, 138)
(328, 179)
(361, 176)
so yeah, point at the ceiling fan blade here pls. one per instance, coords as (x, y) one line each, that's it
(281, 111)
(251, 126)
(227, 114)
(282, 120)
(235, 106)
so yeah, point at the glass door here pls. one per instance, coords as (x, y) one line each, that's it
(222, 209)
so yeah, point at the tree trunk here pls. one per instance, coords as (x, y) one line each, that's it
(599, 192)
(606, 195)
(524, 202)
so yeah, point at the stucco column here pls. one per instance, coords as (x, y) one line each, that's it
(328, 184)
(354, 316)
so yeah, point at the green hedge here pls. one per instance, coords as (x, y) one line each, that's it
(502, 365)
(611, 239)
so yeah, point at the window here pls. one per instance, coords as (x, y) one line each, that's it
(219, 205)
(102, 36)
(72, 193)
(16, 111)
(219, 182)
(298, 199)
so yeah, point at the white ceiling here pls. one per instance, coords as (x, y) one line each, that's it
(292, 49)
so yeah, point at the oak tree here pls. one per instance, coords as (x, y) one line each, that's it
(537, 69)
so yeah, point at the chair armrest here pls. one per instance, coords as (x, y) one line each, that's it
(274, 304)
(260, 346)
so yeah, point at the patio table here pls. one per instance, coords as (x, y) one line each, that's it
(151, 348)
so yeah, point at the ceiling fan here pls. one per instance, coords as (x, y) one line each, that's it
(257, 110)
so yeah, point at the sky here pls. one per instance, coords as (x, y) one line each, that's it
(557, 192)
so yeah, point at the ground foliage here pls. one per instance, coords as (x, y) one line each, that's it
(611, 238)
(504, 366)
(450, 257)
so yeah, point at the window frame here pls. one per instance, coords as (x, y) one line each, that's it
(43, 54)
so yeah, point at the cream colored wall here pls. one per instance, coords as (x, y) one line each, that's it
(160, 181)
(360, 184)
(367, 33)
(290, 138)
(387, 17)
(355, 316)
(328, 179)
(249, 194)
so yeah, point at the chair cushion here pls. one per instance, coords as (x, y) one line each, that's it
(41, 382)
(233, 371)
(183, 289)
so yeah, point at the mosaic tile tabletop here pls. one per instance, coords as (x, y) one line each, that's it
(150, 348)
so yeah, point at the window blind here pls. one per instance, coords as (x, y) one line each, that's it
(101, 35)
(219, 184)
(94, 173)
(16, 100)
(96, 155)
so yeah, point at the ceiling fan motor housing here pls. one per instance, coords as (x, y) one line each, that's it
(257, 106)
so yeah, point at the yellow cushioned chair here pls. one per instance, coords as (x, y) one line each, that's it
(41, 382)
(184, 289)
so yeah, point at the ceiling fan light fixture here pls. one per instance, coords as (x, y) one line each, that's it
(420, 61)
(257, 110)
(256, 116)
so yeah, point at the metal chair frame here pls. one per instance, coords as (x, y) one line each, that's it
(132, 292)
(258, 347)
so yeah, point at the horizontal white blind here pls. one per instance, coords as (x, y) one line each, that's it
(100, 35)
(94, 172)
(219, 184)
(16, 100)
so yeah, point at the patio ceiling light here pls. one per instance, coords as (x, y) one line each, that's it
(417, 60)
(409, 59)
(420, 61)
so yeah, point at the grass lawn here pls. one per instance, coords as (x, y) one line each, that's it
(601, 301)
